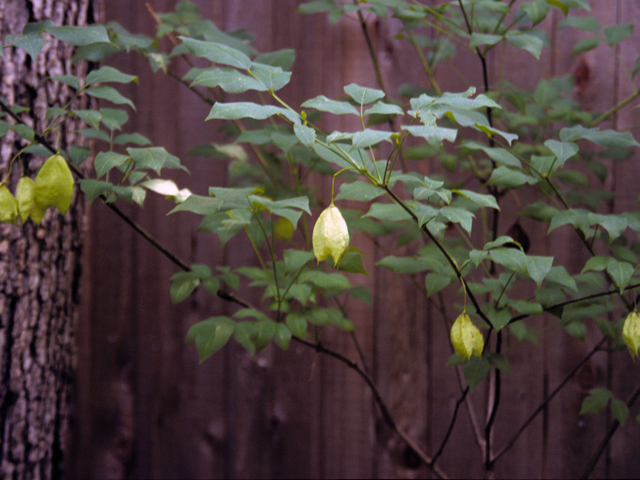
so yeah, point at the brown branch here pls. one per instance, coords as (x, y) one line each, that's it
(384, 410)
(607, 437)
(544, 404)
(451, 425)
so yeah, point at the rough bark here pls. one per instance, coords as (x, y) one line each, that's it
(39, 265)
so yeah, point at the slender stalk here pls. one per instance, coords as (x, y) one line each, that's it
(425, 65)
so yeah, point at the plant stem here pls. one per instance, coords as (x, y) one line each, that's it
(544, 404)
(425, 65)
(607, 437)
(384, 410)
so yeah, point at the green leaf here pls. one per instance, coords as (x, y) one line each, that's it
(432, 134)
(79, 154)
(316, 6)
(70, 80)
(606, 138)
(272, 78)
(325, 104)
(79, 36)
(25, 131)
(585, 45)
(31, 43)
(616, 33)
(407, 265)
(332, 282)
(458, 215)
(498, 361)
(210, 335)
(113, 118)
(538, 268)
(368, 137)
(217, 53)
(511, 258)
(507, 177)
(361, 191)
(559, 275)
(363, 95)
(94, 188)
(435, 282)
(478, 39)
(154, 158)
(134, 138)
(306, 135)
(387, 212)
(297, 324)
(586, 24)
(490, 132)
(562, 150)
(228, 79)
(4, 128)
(380, 108)
(198, 204)
(236, 110)
(621, 272)
(537, 10)
(475, 370)
(109, 74)
(243, 334)
(619, 410)
(110, 94)
(263, 331)
(596, 401)
(539, 211)
(352, 262)
(184, 283)
(294, 260)
(479, 199)
(90, 117)
(281, 58)
(105, 161)
(282, 336)
(523, 41)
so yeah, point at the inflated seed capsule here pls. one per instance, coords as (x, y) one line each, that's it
(631, 333)
(330, 235)
(466, 337)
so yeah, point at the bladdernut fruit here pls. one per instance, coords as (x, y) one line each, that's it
(330, 235)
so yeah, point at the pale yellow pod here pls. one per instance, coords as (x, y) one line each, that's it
(8, 206)
(466, 337)
(54, 185)
(631, 333)
(330, 235)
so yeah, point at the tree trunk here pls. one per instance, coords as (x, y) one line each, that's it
(39, 265)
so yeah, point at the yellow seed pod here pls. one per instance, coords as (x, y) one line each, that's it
(330, 235)
(54, 184)
(8, 206)
(466, 337)
(283, 229)
(26, 198)
(631, 333)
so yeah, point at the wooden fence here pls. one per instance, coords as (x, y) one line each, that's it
(146, 409)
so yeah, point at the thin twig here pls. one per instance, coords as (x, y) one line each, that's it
(545, 402)
(607, 437)
(384, 410)
(451, 425)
